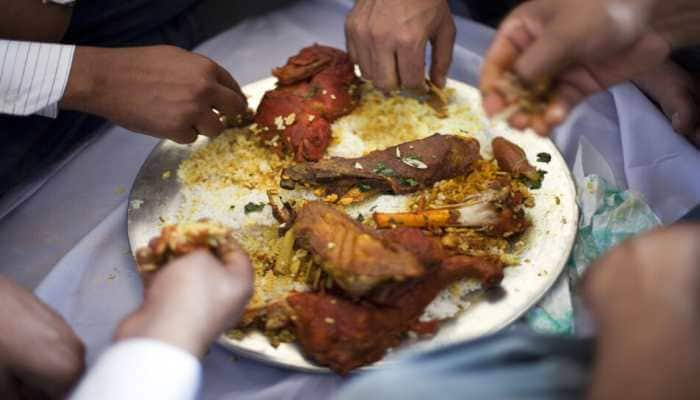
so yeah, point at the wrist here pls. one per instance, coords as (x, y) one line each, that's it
(147, 325)
(82, 80)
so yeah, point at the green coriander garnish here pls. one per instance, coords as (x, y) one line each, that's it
(253, 207)
(364, 187)
(544, 157)
(408, 182)
(535, 184)
(382, 169)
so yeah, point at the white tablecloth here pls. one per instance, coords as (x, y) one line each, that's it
(75, 224)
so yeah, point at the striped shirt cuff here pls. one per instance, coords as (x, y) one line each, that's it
(33, 76)
(141, 369)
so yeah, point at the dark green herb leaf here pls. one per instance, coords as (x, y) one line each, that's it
(360, 218)
(408, 182)
(233, 207)
(364, 187)
(253, 207)
(383, 170)
(544, 157)
(536, 184)
(372, 208)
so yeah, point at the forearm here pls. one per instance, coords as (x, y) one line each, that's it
(678, 21)
(33, 20)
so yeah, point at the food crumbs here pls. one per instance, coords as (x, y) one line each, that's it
(311, 118)
(329, 321)
(331, 245)
(289, 119)
(136, 204)
(253, 207)
(359, 166)
(279, 123)
(166, 175)
(333, 97)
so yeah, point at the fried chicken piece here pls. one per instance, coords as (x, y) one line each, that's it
(427, 249)
(316, 87)
(345, 335)
(401, 169)
(430, 251)
(178, 240)
(309, 62)
(356, 257)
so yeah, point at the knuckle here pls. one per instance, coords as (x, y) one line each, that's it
(408, 38)
(202, 88)
(363, 33)
(379, 34)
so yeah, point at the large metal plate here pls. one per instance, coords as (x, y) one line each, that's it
(549, 241)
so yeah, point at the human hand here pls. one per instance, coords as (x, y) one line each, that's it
(677, 92)
(578, 47)
(644, 296)
(189, 302)
(40, 356)
(388, 39)
(162, 91)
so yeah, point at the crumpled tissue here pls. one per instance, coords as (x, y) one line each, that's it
(608, 216)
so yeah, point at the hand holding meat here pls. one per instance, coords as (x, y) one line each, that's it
(388, 39)
(548, 55)
(203, 291)
(161, 91)
(40, 355)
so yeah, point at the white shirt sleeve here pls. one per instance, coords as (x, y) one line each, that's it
(141, 369)
(33, 76)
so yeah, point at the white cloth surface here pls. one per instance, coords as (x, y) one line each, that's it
(141, 369)
(81, 213)
(33, 76)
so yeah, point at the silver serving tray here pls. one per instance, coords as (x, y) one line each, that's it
(549, 241)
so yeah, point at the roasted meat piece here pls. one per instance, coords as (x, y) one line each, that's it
(511, 158)
(309, 62)
(315, 87)
(427, 249)
(345, 335)
(401, 169)
(178, 240)
(356, 257)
